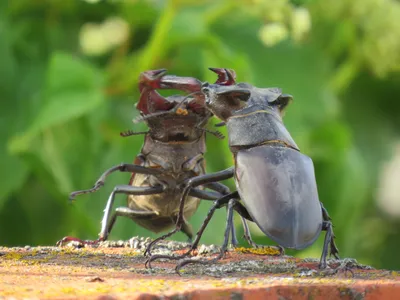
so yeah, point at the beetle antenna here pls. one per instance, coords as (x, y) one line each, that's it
(216, 133)
(131, 132)
(171, 111)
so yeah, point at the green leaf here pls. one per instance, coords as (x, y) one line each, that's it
(13, 174)
(180, 29)
(73, 88)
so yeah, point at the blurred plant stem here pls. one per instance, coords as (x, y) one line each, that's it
(215, 13)
(154, 50)
(345, 74)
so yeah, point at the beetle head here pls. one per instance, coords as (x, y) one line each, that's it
(222, 100)
(174, 118)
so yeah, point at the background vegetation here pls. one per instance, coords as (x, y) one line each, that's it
(68, 85)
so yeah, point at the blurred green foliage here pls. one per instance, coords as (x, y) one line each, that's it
(68, 80)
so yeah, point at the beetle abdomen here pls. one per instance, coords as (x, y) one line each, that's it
(278, 187)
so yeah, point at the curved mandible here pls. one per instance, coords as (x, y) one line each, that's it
(150, 100)
(189, 85)
(225, 76)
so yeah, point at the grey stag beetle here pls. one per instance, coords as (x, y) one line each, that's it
(275, 181)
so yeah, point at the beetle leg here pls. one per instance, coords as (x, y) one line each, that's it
(229, 224)
(131, 168)
(205, 195)
(329, 238)
(243, 214)
(327, 226)
(190, 164)
(219, 187)
(217, 204)
(191, 183)
(223, 189)
(333, 248)
(329, 241)
(106, 225)
(125, 212)
(188, 230)
(128, 190)
(234, 240)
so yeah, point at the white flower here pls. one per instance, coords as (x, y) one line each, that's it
(116, 30)
(301, 23)
(92, 1)
(92, 40)
(273, 33)
(98, 39)
(388, 196)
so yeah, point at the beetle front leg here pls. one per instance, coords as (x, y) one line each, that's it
(191, 183)
(128, 190)
(131, 168)
(105, 224)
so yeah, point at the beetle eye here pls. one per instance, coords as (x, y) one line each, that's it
(205, 90)
(205, 87)
(282, 101)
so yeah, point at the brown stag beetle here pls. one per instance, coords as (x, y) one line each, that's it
(173, 152)
(275, 181)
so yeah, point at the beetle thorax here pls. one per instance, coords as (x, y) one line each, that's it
(175, 157)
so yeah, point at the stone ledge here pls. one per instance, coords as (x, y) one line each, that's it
(112, 273)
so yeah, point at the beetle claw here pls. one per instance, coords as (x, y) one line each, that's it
(346, 266)
(147, 264)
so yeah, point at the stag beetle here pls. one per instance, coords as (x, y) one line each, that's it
(172, 153)
(275, 181)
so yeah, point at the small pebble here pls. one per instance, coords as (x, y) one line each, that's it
(203, 249)
(134, 243)
(95, 279)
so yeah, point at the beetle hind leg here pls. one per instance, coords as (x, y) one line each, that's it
(328, 242)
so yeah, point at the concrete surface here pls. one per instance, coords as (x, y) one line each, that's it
(116, 270)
